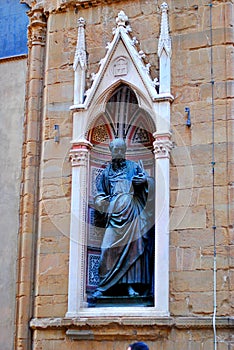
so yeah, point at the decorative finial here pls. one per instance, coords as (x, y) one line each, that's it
(164, 7)
(121, 19)
(81, 22)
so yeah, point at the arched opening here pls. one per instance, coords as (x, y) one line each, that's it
(123, 118)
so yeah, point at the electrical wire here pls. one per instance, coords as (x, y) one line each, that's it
(213, 183)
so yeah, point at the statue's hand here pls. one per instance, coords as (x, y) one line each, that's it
(139, 179)
(102, 203)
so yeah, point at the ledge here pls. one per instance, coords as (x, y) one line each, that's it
(105, 328)
(13, 58)
(164, 97)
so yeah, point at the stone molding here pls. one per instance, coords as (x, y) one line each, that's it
(86, 328)
(63, 5)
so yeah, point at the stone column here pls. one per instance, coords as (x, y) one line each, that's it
(162, 147)
(79, 154)
(29, 195)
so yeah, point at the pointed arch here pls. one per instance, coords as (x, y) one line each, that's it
(124, 118)
(121, 113)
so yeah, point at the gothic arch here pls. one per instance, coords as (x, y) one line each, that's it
(121, 111)
(100, 106)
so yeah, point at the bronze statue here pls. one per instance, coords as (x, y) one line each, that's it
(126, 197)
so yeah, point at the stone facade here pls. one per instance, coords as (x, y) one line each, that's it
(201, 175)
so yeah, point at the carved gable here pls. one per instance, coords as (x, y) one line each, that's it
(121, 64)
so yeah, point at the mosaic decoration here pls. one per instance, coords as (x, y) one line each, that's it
(93, 263)
(95, 176)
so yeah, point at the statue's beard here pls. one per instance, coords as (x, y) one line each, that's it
(118, 163)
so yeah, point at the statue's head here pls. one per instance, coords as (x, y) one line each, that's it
(118, 148)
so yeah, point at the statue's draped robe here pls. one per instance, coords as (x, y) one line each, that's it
(127, 243)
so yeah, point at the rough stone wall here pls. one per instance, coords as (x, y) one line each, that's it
(174, 340)
(191, 172)
(191, 232)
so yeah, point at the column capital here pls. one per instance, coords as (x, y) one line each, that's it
(79, 156)
(37, 27)
(162, 145)
(79, 153)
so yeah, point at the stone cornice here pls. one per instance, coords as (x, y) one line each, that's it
(63, 5)
(90, 326)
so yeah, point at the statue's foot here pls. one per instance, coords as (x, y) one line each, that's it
(97, 294)
(132, 292)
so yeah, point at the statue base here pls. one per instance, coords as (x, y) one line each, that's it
(121, 301)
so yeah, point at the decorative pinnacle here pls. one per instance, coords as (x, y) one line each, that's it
(80, 54)
(121, 19)
(164, 38)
